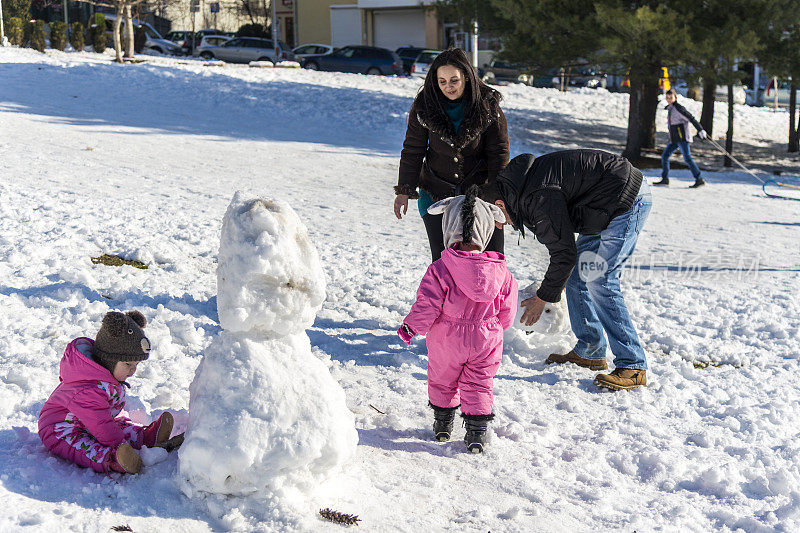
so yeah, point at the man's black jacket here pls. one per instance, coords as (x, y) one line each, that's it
(562, 193)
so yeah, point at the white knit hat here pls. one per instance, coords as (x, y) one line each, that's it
(484, 216)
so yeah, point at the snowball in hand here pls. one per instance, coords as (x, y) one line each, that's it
(265, 414)
(269, 276)
(554, 319)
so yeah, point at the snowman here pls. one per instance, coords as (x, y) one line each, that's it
(265, 415)
(554, 319)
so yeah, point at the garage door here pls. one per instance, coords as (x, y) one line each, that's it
(402, 27)
(345, 25)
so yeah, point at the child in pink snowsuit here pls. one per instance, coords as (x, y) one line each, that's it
(464, 303)
(81, 421)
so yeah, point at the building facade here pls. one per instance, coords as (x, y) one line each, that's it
(386, 23)
(229, 15)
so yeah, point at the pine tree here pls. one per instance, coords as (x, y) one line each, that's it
(58, 35)
(76, 37)
(645, 39)
(20, 9)
(722, 34)
(781, 58)
(547, 34)
(15, 29)
(97, 33)
(627, 36)
(37, 39)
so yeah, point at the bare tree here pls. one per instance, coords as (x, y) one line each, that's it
(258, 11)
(122, 10)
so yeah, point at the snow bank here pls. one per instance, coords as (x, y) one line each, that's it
(269, 276)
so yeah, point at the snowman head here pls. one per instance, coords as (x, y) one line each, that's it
(269, 276)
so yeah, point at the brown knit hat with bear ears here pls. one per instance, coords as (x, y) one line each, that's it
(121, 339)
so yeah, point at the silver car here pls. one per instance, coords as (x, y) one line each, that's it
(305, 50)
(247, 49)
(210, 41)
(423, 62)
(154, 40)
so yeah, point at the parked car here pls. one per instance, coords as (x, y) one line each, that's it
(177, 36)
(360, 59)
(305, 50)
(210, 41)
(247, 49)
(588, 77)
(767, 93)
(408, 54)
(186, 45)
(721, 94)
(419, 68)
(154, 40)
(549, 78)
(500, 73)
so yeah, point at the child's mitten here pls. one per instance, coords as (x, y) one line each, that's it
(406, 333)
(158, 432)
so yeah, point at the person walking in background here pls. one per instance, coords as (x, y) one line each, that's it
(457, 136)
(678, 119)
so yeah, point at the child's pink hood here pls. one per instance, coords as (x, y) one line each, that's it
(479, 276)
(88, 392)
(78, 365)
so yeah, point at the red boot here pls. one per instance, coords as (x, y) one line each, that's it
(158, 432)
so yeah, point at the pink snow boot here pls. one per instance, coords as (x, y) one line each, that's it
(158, 432)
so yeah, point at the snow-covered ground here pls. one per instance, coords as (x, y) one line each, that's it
(142, 160)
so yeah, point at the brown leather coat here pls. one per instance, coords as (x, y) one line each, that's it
(442, 163)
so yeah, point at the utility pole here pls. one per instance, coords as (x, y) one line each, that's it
(756, 78)
(66, 16)
(194, 7)
(274, 27)
(475, 43)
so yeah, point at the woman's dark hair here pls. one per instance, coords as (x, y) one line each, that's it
(672, 92)
(468, 214)
(475, 90)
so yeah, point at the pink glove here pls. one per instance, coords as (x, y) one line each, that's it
(406, 333)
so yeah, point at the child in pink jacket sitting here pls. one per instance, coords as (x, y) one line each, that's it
(81, 420)
(464, 303)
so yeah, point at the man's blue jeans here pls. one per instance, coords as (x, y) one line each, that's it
(594, 298)
(687, 156)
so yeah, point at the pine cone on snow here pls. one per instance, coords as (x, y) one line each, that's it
(339, 518)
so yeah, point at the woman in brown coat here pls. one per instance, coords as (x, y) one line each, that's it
(457, 136)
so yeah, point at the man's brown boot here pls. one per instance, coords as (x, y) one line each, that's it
(572, 357)
(622, 379)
